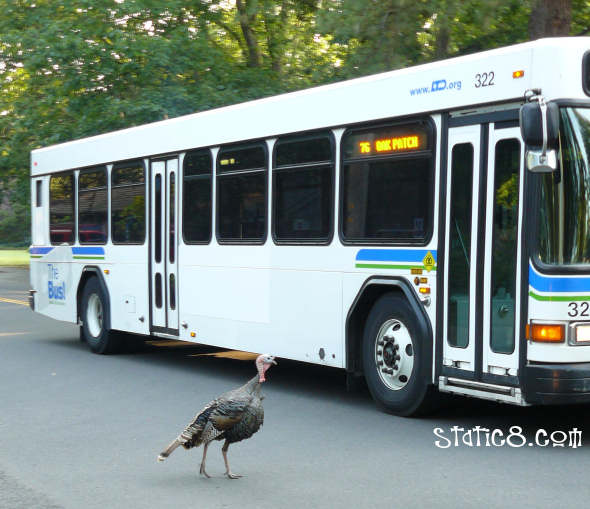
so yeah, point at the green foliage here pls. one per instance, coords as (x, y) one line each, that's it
(76, 68)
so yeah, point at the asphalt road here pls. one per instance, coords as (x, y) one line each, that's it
(79, 430)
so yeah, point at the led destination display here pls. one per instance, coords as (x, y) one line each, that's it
(387, 140)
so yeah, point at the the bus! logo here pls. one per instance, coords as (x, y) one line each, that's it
(56, 288)
(438, 85)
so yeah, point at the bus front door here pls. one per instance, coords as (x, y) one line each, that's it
(482, 271)
(163, 246)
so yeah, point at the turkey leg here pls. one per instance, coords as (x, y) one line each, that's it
(228, 471)
(202, 470)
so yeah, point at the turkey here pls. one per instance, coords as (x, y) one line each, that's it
(233, 416)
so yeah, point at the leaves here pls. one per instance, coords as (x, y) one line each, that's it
(76, 68)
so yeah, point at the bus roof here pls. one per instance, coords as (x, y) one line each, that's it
(554, 65)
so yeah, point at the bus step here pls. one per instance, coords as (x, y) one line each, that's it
(499, 393)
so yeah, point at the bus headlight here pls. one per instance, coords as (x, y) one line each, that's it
(581, 333)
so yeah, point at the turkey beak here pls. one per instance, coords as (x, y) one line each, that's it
(274, 362)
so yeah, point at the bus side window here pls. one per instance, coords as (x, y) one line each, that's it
(303, 188)
(196, 200)
(241, 193)
(128, 204)
(39, 193)
(61, 209)
(387, 183)
(92, 206)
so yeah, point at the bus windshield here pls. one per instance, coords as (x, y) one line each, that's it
(564, 212)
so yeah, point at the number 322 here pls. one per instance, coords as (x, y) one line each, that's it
(485, 79)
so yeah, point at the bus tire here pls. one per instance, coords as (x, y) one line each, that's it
(396, 361)
(95, 310)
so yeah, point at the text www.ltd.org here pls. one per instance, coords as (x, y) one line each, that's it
(437, 86)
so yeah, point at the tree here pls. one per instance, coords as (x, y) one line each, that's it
(83, 67)
(550, 18)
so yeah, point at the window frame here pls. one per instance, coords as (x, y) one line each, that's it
(75, 212)
(213, 204)
(431, 154)
(93, 169)
(302, 136)
(236, 146)
(147, 206)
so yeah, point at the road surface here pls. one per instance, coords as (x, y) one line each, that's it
(79, 430)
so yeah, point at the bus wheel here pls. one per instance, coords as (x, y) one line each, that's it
(395, 360)
(94, 313)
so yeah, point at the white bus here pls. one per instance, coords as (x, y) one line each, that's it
(409, 227)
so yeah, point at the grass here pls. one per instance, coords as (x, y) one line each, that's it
(14, 257)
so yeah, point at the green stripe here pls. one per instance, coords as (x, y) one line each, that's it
(36, 256)
(558, 298)
(88, 257)
(382, 266)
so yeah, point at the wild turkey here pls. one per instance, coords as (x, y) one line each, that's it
(233, 416)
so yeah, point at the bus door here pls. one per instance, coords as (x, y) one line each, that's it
(482, 273)
(163, 245)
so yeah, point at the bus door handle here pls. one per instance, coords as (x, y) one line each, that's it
(503, 310)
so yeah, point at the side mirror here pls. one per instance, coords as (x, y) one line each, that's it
(539, 126)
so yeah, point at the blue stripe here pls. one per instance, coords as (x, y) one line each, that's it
(393, 255)
(93, 250)
(40, 250)
(558, 284)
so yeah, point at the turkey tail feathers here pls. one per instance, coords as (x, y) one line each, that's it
(168, 451)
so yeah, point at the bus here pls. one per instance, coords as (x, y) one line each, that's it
(427, 229)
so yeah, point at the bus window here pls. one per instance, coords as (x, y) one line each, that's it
(92, 207)
(196, 200)
(506, 188)
(241, 192)
(61, 209)
(303, 188)
(387, 183)
(461, 175)
(39, 191)
(128, 204)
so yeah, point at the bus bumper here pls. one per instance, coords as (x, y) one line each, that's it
(557, 384)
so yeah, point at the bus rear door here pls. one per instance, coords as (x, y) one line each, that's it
(163, 245)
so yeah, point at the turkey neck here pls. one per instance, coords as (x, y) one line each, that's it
(253, 386)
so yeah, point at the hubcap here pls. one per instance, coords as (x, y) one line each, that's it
(394, 354)
(94, 315)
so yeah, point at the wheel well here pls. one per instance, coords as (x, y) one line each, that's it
(355, 322)
(84, 278)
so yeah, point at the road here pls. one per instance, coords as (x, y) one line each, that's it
(79, 430)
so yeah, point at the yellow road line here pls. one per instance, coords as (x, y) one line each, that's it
(2, 334)
(14, 301)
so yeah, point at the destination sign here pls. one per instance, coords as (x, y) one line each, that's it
(388, 140)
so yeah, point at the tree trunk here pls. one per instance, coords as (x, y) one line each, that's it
(275, 36)
(550, 18)
(246, 22)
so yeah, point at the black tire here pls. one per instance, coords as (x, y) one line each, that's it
(397, 393)
(95, 324)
